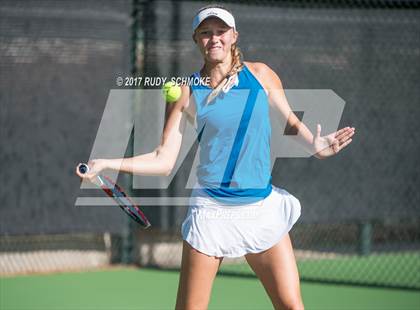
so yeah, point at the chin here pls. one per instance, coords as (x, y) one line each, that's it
(215, 58)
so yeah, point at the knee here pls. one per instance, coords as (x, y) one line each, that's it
(192, 306)
(296, 304)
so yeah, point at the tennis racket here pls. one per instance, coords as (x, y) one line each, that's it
(117, 193)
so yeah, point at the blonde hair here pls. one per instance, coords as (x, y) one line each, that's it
(237, 63)
(237, 66)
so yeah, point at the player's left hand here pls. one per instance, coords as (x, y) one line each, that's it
(333, 143)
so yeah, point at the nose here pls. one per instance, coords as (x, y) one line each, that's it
(214, 40)
(214, 36)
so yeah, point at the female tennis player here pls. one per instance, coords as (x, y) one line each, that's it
(234, 209)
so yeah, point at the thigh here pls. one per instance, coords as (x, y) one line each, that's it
(277, 270)
(198, 271)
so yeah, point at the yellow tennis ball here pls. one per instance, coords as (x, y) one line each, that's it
(171, 92)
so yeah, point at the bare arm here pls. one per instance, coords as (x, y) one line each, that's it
(321, 147)
(277, 99)
(162, 160)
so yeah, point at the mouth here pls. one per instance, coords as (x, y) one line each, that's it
(214, 48)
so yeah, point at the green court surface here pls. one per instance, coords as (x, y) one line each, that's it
(121, 289)
(375, 269)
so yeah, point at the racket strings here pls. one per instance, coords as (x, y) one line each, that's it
(125, 203)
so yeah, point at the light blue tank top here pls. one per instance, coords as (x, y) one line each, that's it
(234, 155)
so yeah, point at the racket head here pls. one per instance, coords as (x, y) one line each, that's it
(114, 191)
(125, 203)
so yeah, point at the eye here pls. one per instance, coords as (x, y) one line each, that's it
(222, 31)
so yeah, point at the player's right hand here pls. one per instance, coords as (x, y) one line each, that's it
(95, 167)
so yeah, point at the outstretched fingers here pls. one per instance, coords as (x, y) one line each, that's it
(341, 131)
(344, 134)
(343, 145)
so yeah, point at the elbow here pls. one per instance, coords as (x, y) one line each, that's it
(167, 172)
(165, 162)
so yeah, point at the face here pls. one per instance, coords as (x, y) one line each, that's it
(215, 39)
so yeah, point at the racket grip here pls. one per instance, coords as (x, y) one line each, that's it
(84, 168)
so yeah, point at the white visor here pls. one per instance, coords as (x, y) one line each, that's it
(216, 12)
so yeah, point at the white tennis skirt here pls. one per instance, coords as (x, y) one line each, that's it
(233, 231)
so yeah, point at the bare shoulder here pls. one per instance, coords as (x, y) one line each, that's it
(257, 67)
(265, 75)
(185, 103)
(181, 108)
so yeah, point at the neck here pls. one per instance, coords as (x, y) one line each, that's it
(216, 71)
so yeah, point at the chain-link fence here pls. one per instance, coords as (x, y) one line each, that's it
(58, 60)
(360, 215)
(360, 209)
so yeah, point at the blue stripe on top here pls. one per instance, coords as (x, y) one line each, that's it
(234, 159)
